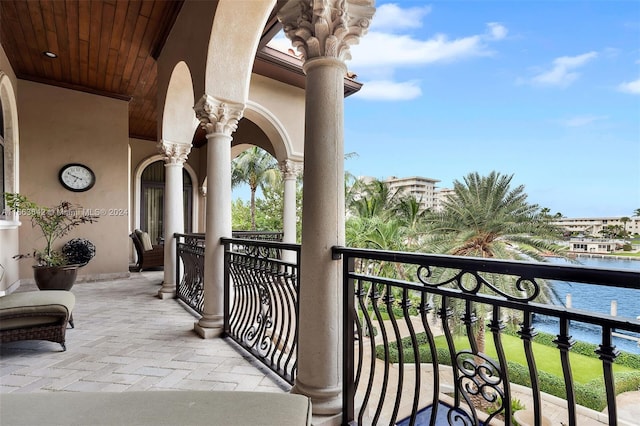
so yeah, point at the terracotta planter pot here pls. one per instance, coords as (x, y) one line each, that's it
(55, 277)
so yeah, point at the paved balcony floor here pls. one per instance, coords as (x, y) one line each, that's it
(126, 339)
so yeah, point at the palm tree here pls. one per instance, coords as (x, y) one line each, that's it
(624, 221)
(485, 217)
(636, 212)
(381, 219)
(255, 167)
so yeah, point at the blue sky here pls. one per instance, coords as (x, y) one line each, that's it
(548, 91)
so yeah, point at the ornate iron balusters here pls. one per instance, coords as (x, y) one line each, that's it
(189, 287)
(564, 342)
(263, 302)
(425, 308)
(608, 353)
(527, 333)
(496, 326)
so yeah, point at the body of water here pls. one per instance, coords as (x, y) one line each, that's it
(595, 299)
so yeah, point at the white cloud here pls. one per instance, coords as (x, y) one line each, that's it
(388, 47)
(386, 90)
(584, 120)
(563, 72)
(390, 17)
(632, 87)
(497, 31)
(405, 50)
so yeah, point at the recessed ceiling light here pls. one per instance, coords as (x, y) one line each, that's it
(49, 54)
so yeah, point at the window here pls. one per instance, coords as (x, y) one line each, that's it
(152, 200)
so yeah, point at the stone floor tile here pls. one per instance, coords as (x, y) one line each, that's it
(153, 371)
(172, 379)
(17, 380)
(86, 386)
(36, 386)
(61, 383)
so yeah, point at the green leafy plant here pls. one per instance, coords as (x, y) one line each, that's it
(516, 405)
(54, 222)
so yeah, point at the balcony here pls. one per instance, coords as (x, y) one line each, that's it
(437, 295)
(126, 339)
(431, 305)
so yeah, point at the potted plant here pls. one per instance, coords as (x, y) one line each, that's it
(55, 269)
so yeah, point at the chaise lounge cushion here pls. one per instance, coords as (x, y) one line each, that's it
(24, 309)
(36, 315)
(155, 408)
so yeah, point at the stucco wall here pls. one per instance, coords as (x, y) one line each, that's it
(285, 103)
(60, 126)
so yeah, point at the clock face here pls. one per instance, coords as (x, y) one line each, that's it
(77, 177)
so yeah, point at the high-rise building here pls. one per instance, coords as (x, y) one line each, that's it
(422, 188)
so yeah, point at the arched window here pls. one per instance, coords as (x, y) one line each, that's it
(152, 200)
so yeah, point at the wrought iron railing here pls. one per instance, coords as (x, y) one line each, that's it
(190, 270)
(261, 301)
(190, 264)
(396, 304)
(258, 235)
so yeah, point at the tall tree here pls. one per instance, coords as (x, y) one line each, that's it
(624, 221)
(486, 217)
(256, 168)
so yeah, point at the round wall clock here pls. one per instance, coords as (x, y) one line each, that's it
(77, 177)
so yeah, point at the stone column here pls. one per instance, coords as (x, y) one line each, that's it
(219, 119)
(175, 154)
(290, 170)
(322, 31)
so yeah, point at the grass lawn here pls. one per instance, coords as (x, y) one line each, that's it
(547, 358)
(627, 254)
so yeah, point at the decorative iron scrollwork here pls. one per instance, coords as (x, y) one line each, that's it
(190, 288)
(263, 305)
(480, 376)
(471, 282)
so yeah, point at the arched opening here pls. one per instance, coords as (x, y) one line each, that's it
(8, 144)
(152, 200)
(2, 178)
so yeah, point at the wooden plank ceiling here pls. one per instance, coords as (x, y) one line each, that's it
(110, 47)
(104, 47)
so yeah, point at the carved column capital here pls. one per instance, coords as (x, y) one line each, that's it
(326, 27)
(174, 153)
(290, 169)
(218, 116)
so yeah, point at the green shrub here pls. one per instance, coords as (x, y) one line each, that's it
(587, 349)
(591, 395)
(628, 359)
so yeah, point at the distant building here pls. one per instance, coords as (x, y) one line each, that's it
(422, 188)
(594, 225)
(441, 195)
(590, 245)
